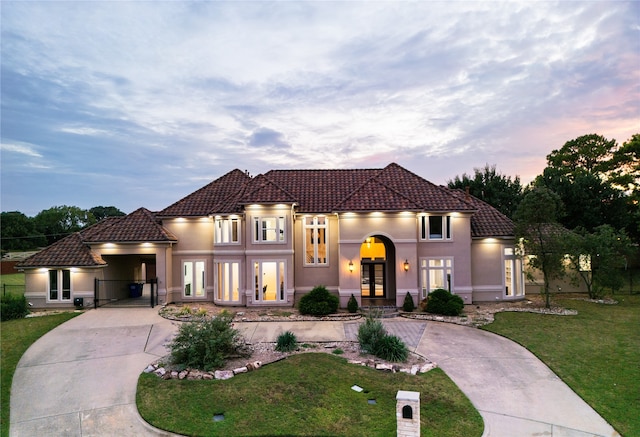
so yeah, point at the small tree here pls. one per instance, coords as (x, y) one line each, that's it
(408, 304)
(597, 258)
(352, 305)
(541, 235)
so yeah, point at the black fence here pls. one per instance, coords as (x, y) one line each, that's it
(125, 293)
(15, 289)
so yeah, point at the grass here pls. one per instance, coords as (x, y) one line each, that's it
(597, 353)
(15, 338)
(305, 395)
(12, 284)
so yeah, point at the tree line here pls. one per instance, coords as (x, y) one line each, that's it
(580, 217)
(19, 232)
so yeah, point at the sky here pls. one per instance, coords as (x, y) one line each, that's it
(138, 104)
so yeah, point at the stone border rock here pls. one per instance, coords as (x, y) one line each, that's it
(417, 363)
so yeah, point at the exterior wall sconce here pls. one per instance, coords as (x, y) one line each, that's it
(405, 265)
(350, 266)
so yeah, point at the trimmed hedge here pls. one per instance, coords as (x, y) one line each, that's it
(444, 303)
(319, 302)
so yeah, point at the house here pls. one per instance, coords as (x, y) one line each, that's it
(377, 234)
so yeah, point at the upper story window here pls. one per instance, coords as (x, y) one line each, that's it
(227, 231)
(268, 229)
(315, 240)
(435, 227)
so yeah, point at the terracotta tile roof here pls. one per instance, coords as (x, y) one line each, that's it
(264, 190)
(71, 251)
(487, 221)
(392, 188)
(220, 196)
(140, 225)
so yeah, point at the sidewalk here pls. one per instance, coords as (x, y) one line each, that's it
(80, 378)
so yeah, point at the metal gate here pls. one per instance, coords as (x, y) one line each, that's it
(125, 293)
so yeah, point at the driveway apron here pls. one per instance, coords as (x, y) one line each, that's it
(80, 378)
(515, 393)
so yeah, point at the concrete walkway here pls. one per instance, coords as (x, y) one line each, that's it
(80, 378)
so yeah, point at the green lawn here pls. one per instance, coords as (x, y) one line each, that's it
(305, 395)
(597, 353)
(15, 338)
(12, 284)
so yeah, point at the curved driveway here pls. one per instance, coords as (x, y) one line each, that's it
(80, 378)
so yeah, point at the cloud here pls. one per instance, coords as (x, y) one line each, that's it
(189, 90)
(21, 148)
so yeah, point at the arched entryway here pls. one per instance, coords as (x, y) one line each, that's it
(377, 271)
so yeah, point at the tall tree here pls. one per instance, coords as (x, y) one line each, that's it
(59, 221)
(595, 178)
(18, 232)
(592, 153)
(542, 237)
(100, 212)
(496, 189)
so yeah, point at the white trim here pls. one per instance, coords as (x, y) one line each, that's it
(193, 252)
(394, 241)
(266, 252)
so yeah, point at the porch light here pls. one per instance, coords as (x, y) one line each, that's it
(405, 265)
(350, 266)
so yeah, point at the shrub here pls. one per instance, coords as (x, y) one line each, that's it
(370, 333)
(337, 351)
(408, 304)
(352, 305)
(391, 348)
(13, 307)
(286, 342)
(442, 302)
(319, 302)
(207, 344)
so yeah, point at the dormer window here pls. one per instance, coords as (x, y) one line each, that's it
(435, 227)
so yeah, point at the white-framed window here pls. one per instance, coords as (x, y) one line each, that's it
(513, 273)
(227, 230)
(435, 273)
(59, 285)
(268, 230)
(435, 227)
(193, 274)
(315, 241)
(228, 281)
(270, 281)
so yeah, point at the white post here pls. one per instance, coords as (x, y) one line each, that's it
(408, 413)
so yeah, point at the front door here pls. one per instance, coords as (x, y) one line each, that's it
(373, 284)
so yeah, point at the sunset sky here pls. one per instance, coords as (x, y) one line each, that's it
(136, 104)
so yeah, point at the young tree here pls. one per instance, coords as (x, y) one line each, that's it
(487, 184)
(597, 258)
(542, 237)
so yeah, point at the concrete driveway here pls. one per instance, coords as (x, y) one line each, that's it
(80, 378)
(515, 392)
